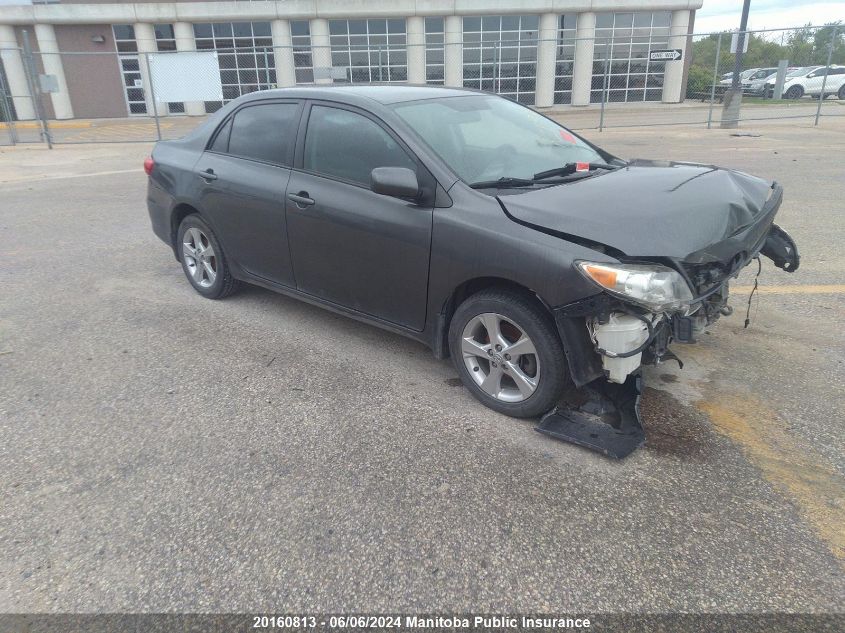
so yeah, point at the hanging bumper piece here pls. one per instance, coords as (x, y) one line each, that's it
(604, 417)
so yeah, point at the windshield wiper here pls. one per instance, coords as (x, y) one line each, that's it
(569, 168)
(502, 183)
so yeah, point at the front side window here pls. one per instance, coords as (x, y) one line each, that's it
(264, 132)
(346, 145)
(484, 138)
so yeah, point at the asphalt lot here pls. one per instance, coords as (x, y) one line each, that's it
(163, 452)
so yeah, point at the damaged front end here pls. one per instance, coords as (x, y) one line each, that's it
(644, 307)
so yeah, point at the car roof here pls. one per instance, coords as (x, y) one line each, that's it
(381, 93)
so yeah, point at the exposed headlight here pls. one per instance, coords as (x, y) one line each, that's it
(658, 288)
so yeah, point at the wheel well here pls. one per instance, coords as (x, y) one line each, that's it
(179, 213)
(467, 289)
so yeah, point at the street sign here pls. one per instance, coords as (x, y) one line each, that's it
(666, 55)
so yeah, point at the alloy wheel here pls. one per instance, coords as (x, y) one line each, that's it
(500, 357)
(199, 256)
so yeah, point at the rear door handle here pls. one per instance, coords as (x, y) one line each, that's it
(208, 175)
(301, 199)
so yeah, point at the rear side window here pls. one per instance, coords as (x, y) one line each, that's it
(349, 146)
(264, 132)
(221, 141)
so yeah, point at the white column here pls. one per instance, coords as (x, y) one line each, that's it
(582, 71)
(52, 62)
(415, 31)
(15, 73)
(321, 50)
(184, 34)
(283, 53)
(453, 52)
(544, 95)
(145, 37)
(674, 75)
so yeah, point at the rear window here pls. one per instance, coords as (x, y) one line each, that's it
(265, 132)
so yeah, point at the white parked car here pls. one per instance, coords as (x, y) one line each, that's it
(808, 81)
(755, 83)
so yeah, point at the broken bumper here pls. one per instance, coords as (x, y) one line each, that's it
(606, 415)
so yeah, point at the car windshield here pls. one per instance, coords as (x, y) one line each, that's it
(485, 138)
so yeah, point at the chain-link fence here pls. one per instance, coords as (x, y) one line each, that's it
(630, 73)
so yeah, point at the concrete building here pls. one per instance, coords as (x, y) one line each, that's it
(540, 52)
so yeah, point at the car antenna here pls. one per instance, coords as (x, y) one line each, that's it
(753, 290)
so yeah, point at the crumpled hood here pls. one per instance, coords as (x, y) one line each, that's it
(684, 211)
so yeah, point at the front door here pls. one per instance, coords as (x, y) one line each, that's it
(348, 245)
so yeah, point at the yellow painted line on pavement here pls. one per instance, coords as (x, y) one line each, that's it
(30, 125)
(806, 479)
(826, 289)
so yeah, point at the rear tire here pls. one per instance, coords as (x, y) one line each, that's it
(841, 93)
(203, 261)
(524, 374)
(795, 92)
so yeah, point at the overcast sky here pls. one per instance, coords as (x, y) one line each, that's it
(720, 15)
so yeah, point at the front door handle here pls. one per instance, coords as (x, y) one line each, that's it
(208, 175)
(301, 199)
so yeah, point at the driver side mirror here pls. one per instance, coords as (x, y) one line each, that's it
(398, 182)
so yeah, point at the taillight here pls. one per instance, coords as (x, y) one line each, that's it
(149, 163)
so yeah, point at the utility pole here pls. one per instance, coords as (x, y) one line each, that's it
(733, 97)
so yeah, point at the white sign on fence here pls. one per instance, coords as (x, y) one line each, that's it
(735, 42)
(186, 76)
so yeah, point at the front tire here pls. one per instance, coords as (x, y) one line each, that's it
(841, 93)
(507, 353)
(203, 261)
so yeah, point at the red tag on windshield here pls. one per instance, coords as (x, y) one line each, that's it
(566, 136)
(582, 166)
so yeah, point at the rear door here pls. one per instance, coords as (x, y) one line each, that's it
(349, 245)
(243, 174)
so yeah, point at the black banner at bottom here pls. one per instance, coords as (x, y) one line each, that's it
(264, 622)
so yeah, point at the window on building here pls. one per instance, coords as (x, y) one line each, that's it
(565, 58)
(130, 62)
(500, 54)
(264, 132)
(369, 49)
(303, 61)
(334, 135)
(622, 43)
(434, 42)
(130, 69)
(245, 55)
